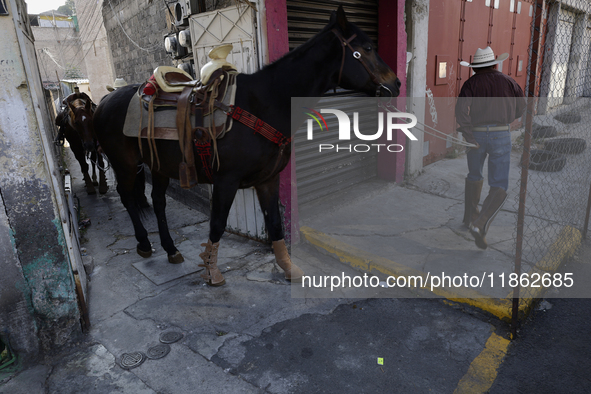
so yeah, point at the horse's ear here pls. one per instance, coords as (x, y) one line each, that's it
(341, 18)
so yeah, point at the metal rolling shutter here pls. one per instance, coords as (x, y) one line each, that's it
(317, 174)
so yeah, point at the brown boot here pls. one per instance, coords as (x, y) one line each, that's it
(212, 275)
(292, 272)
(472, 198)
(491, 206)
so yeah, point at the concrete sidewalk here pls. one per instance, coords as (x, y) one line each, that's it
(416, 230)
(249, 335)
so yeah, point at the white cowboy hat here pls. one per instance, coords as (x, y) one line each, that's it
(119, 83)
(484, 58)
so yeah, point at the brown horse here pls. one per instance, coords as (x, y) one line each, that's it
(339, 55)
(76, 125)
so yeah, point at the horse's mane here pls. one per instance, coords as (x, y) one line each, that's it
(78, 103)
(302, 49)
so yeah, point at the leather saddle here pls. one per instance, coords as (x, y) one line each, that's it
(195, 121)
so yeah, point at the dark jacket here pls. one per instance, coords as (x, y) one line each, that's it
(488, 97)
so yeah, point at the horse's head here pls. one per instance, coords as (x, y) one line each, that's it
(80, 109)
(361, 68)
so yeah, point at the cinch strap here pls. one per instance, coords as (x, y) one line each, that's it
(204, 152)
(259, 126)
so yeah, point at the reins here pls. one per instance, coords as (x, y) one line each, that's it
(346, 43)
(447, 137)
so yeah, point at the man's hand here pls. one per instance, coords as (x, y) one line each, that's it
(470, 139)
(469, 148)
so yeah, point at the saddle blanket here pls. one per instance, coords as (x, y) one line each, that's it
(165, 116)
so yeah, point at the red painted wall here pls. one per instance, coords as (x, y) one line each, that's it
(392, 49)
(277, 46)
(448, 38)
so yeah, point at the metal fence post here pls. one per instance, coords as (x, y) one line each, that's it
(531, 90)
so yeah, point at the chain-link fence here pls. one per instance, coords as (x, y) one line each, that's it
(553, 192)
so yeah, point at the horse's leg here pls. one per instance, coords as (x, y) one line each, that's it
(78, 150)
(103, 187)
(125, 186)
(222, 198)
(159, 186)
(139, 189)
(268, 194)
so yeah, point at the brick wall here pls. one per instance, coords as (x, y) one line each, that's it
(135, 31)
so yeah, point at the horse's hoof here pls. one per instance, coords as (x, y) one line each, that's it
(294, 280)
(216, 284)
(103, 190)
(144, 254)
(176, 258)
(95, 183)
(91, 192)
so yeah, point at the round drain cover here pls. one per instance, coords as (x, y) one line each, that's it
(170, 337)
(158, 351)
(131, 360)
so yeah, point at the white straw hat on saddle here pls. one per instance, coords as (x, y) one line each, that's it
(119, 83)
(484, 58)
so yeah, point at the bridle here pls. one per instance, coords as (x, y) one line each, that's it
(357, 55)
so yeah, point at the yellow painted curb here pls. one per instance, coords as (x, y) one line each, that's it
(365, 261)
(483, 370)
(567, 241)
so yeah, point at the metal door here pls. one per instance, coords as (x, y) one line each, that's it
(321, 175)
(234, 25)
(560, 57)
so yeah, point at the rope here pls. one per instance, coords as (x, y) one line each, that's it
(105, 159)
(447, 137)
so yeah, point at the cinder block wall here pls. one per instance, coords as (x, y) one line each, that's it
(135, 32)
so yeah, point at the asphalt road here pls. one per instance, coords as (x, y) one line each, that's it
(552, 353)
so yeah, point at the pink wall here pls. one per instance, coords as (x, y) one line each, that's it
(277, 46)
(392, 49)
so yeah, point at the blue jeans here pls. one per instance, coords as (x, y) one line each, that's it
(497, 146)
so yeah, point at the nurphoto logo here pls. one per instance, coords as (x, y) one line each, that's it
(393, 121)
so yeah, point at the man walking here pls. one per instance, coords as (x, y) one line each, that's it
(488, 102)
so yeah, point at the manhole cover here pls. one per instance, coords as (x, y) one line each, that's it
(131, 360)
(158, 351)
(170, 337)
